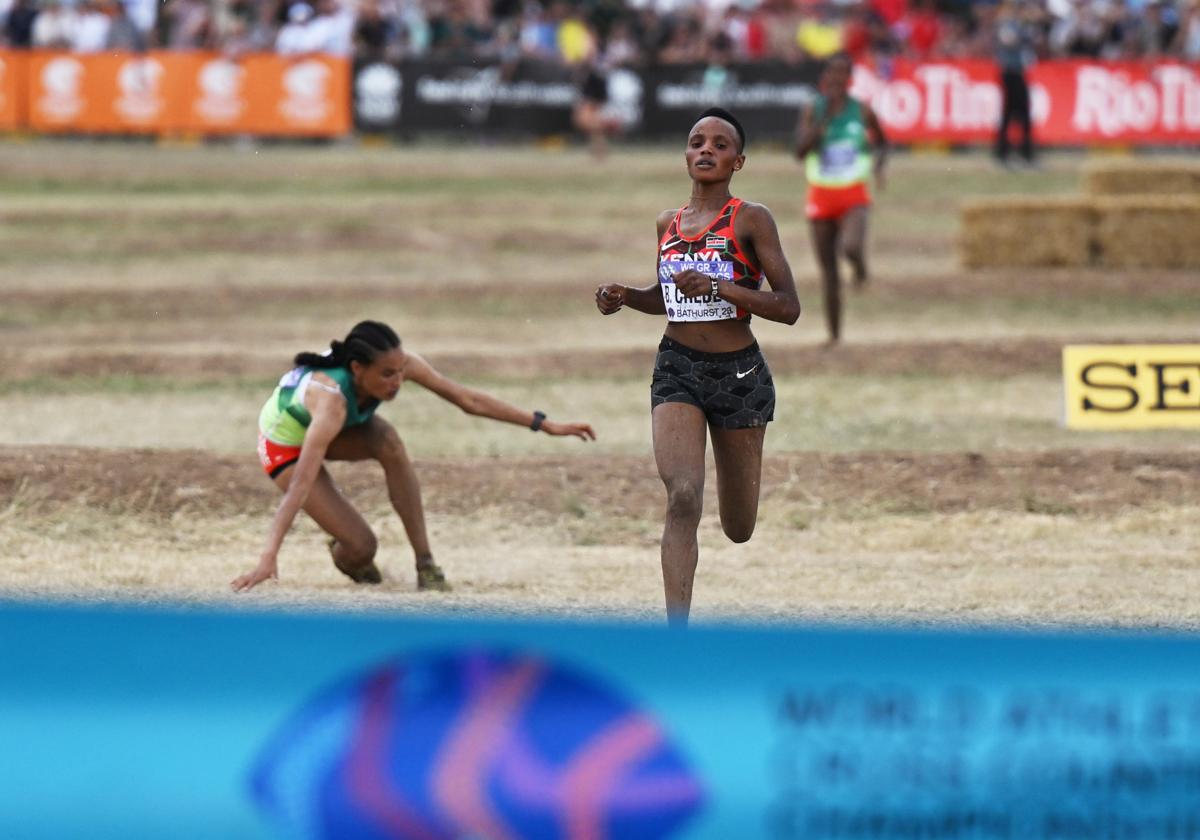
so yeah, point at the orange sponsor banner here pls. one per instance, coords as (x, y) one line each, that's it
(197, 93)
(132, 94)
(57, 99)
(303, 96)
(267, 95)
(215, 95)
(12, 89)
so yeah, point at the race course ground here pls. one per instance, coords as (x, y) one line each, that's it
(152, 295)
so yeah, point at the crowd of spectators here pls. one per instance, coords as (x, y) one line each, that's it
(610, 32)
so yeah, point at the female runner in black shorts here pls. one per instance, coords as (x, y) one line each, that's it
(710, 375)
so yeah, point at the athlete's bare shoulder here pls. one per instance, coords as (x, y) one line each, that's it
(325, 379)
(664, 221)
(753, 215)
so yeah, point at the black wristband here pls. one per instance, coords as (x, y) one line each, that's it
(716, 288)
(538, 417)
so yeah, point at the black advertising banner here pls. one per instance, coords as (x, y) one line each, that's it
(531, 98)
(766, 97)
(525, 98)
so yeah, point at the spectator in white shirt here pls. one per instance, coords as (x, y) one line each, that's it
(91, 35)
(332, 30)
(55, 27)
(295, 37)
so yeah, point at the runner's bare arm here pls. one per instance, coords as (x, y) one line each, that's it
(482, 404)
(808, 133)
(612, 297)
(755, 227)
(328, 412)
(879, 145)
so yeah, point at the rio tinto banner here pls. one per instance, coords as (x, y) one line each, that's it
(1073, 102)
(187, 93)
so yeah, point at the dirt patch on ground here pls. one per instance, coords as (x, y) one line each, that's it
(989, 357)
(210, 302)
(532, 489)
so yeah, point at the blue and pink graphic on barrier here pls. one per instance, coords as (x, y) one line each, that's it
(437, 746)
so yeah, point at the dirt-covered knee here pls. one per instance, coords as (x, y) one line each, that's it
(685, 499)
(359, 551)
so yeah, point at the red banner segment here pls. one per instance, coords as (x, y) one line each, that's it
(1073, 102)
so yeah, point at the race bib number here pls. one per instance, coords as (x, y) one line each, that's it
(703, 308)
(839, 159)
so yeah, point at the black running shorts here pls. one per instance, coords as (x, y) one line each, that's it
(734, 390)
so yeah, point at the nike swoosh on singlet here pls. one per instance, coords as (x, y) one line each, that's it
(744, 374)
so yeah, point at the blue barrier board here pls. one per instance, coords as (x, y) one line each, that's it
(121, 722)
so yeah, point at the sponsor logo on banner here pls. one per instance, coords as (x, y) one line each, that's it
(306, 92)
(61, 97)
(729, 89)
(1072, 101)
(1115, 101)
(624, 97)
(377, 93)
(222, 96)
(140, 90)
(476, 91)
(1132, 386)
(939, 97)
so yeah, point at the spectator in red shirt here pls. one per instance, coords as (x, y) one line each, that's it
(922, 28)
(890, 10)
(856, 39)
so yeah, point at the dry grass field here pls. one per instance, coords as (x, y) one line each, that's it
(150, 296)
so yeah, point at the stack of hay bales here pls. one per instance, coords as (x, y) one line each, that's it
(1133, 214)
(1133, 177)
(1148, 231)
(1027, 231)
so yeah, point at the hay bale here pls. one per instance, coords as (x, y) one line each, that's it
(1134, 177)
(1148, 232)
(1026, 231)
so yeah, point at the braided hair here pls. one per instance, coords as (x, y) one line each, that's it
(364, 344)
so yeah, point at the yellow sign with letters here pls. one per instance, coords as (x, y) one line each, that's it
(1132, 386)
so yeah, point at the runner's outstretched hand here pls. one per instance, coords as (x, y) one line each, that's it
(580, 430)
(266, 568)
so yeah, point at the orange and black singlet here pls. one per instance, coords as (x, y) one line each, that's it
(714, 251)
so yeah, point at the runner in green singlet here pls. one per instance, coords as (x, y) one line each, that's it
(841, 143)
(324, 409)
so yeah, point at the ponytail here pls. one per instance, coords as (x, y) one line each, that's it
(364, 344)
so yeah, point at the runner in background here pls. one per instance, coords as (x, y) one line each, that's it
(710, 378)
(589, 115)
(841, 143)
(324, 410)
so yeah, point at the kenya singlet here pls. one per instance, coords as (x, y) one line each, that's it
(714, 251)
